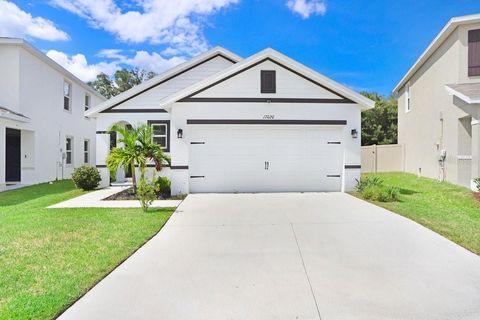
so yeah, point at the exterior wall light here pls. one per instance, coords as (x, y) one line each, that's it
(179, 133)
(354, 133)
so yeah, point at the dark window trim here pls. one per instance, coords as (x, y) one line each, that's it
(257, 63)
(170, 78)
(266, 87)
(269, 122)
(167, 122)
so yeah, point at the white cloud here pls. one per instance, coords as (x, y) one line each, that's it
(306, 8)
(14, 22)
(79, 66)
(177, 24)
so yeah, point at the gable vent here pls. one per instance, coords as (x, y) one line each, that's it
(268, 81)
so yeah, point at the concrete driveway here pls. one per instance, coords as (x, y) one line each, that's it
(288, 256)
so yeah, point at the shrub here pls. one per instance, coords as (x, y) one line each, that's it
(477, 183)
(380, 193)
(146, 193)
(86, 177)
(369, 181)
(162, 185)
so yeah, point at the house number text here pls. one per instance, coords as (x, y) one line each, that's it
(269, 117)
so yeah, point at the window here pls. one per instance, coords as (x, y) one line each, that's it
(407, 98)
(474, 53)
(67, 96)
(113, 140)
(86, 151)
(161, 133)
(87, 101)
(69, 150)
(267, 81)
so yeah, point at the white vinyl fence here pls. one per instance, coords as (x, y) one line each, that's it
(384, 158)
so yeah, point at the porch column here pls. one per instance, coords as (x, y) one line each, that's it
(475, 151)
(3, 137)
(102, 151)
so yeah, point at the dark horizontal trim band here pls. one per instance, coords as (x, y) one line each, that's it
(333, 176)
(353, 166)
(197, 177)
(197, 142)
(135, 111)
(277, 122)
(267, 100)
(179, 167)
(101, 166)
(102, 132)
(334, 142)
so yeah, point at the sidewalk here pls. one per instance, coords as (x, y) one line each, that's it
(94, 199)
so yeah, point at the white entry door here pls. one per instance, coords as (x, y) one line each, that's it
(268, 158)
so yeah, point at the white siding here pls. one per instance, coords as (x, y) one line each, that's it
(150, 98)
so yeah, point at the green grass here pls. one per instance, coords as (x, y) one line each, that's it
(445, 208)
(50, 257)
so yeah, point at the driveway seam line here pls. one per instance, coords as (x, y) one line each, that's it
(306, 273)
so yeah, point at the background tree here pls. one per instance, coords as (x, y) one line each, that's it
(380, 124)
(121, 81)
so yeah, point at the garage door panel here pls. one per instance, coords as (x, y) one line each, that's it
(233, 158)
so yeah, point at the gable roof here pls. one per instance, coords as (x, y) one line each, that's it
(43, 57)
(163, 77)
(435, 44)
(345, 93)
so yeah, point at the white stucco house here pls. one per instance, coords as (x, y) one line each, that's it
(262, 124)
(44, 134)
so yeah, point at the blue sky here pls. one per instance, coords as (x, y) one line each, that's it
(367, 45)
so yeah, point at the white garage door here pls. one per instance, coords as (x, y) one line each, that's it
(268, 158)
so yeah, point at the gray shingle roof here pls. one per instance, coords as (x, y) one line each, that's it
(468, 92)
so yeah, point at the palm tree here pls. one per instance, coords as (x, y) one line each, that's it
(138, 147)
(151, 150)
(128, 155)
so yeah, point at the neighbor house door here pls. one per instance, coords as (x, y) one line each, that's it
(12, 155)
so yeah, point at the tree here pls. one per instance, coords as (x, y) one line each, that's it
(138, 146)
(122, 80)
(380, 124)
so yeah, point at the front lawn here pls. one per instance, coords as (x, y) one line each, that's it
(50, 257)
(447, 209)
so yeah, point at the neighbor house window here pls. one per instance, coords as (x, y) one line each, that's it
(268, 81)
(67, 95)
(86, 151)
(474, 53)
(69, 150)
(408, 96)
(87, 101)
(161, 133)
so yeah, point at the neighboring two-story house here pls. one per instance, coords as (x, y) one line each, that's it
(439, 106)
(44, 134)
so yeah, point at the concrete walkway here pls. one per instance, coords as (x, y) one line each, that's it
(95, 198)
(288, 256)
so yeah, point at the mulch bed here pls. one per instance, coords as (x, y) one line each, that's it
(128, 194)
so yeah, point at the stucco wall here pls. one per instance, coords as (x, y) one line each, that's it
(40, 97)
(422, 130)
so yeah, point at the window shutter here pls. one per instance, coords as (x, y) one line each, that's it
(267, 81)
(474, 53)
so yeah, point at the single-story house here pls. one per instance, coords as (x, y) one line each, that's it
(439, 106)
(265, 123)
(44, 134)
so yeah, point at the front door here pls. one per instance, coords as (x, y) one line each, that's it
(12, 155)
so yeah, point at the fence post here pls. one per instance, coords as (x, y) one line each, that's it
(374, 151)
